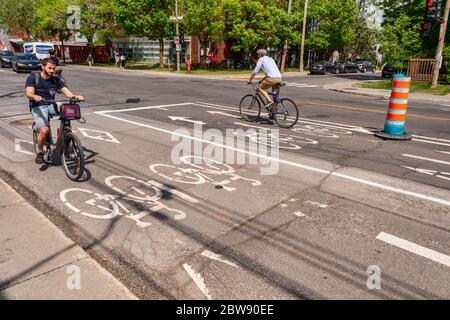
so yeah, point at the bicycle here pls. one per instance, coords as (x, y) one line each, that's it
(67, 145)
(284, 111)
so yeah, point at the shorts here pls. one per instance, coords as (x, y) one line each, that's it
(40, 115)
(269, 82)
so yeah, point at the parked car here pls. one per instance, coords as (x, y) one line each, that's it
(323, 67)
(347, 67)
(364, 66)
(25, 62)
(390, 69)
(6, 59)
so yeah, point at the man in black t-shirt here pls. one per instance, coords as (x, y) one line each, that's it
(38, 91)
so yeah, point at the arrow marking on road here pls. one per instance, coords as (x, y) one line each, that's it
(198, 280)
(103, 136)
(223, 113)
(218, 257)
(186, 120)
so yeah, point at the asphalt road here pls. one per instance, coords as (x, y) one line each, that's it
(337, 202)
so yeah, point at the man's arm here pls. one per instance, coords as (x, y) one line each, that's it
(69, 94)
(30, 93)
(258, 66)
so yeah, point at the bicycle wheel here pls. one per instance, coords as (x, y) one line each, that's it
(72, 157)
(250, 108)
(287, 113)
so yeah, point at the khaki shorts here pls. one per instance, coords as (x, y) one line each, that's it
(269, 82)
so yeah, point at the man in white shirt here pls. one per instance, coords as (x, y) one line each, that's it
(272, 78)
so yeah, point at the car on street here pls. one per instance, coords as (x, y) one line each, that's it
(6, 59)
(365, 66)
(323, 67)
(347, 67)
(25, 62)
(390, 69)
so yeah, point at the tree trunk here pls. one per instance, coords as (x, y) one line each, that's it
(161, 52)
(63, 53)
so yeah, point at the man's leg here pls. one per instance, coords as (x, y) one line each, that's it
(42, 136)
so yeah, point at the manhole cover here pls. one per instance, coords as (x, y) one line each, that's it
(23, 122)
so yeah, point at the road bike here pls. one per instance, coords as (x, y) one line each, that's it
(284, 111)
(67, 145)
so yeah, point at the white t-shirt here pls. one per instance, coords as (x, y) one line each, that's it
(269, 67)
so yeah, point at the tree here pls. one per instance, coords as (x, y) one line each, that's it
(18, 16)
(204, 19)
(148, 18)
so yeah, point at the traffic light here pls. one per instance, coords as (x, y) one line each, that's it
(426, 27)
(171, 30)
(433, 10)
(181, 32)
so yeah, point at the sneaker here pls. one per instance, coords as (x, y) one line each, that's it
(268, 105)
(40, 158)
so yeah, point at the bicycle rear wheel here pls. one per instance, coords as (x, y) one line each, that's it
(72, 157)
(287, 113)
(250, 108)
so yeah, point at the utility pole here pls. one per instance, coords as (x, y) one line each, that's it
(440, 47)
(178, 46)
(302, 46)
(285, 47)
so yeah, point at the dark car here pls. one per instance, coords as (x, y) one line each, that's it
(323, 67)
(6, 59)
(347, 67)
(390, 69)
(364, 66)
(25, 62)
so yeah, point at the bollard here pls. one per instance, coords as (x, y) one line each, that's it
(394, 127)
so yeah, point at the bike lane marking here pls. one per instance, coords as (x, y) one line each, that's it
(421, 196)
(198, 280)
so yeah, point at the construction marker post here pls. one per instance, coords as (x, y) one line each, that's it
(394, 127)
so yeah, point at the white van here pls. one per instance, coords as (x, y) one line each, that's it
(40, 49)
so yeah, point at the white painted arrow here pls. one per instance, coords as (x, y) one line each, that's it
(103, 135)
(185, 119)
(223, 113)
(18, 147)
(218, 257)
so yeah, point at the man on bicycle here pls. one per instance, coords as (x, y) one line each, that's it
(272, 78)
(39, 87)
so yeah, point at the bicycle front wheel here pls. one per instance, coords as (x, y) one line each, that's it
(287, 114)
(250, 108)
(72, 157)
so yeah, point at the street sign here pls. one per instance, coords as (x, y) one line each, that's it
(176, 39)
(178, 48)
(175, 18)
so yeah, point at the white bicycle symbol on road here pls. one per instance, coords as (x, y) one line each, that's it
(284, 141)
(144, 198)
(207, 171)
(320, 131)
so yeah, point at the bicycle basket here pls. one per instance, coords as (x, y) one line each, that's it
(70, 111)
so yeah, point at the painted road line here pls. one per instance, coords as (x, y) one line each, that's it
(299, 214)
(145, 108)
(317, 204)
(186, 119)
(426, 159)
(415, 248)
(429, 140)
(214, 256)
(198, 280)
(286, 162)
(445, 152)
(223, 113)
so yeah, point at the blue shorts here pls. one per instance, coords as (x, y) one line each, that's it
(40, 115)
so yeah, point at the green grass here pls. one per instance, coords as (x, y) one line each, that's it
(416, 86)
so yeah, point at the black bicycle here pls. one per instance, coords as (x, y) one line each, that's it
(67, 145)
(284, 111)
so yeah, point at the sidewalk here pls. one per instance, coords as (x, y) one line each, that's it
(182, 74)
(348, 87)
(38, 262)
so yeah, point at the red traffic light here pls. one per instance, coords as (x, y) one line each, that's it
(430, 3)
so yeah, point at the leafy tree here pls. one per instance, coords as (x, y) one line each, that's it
(18, 16)
(148, 18)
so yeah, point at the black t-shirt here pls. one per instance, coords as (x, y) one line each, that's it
(47, 89)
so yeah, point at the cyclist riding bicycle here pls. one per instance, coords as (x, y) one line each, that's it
(272, 78)
(40, 87)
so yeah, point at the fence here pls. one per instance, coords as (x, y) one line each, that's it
(421, 69)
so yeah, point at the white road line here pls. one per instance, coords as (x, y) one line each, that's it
(317, 204)
(218, 257)
(198, 280)
(432, 142)
(415, 248)
(299, 214)
(426, 159)
(294, 164)
(145, 108)
(429, 138)
(445, 152)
